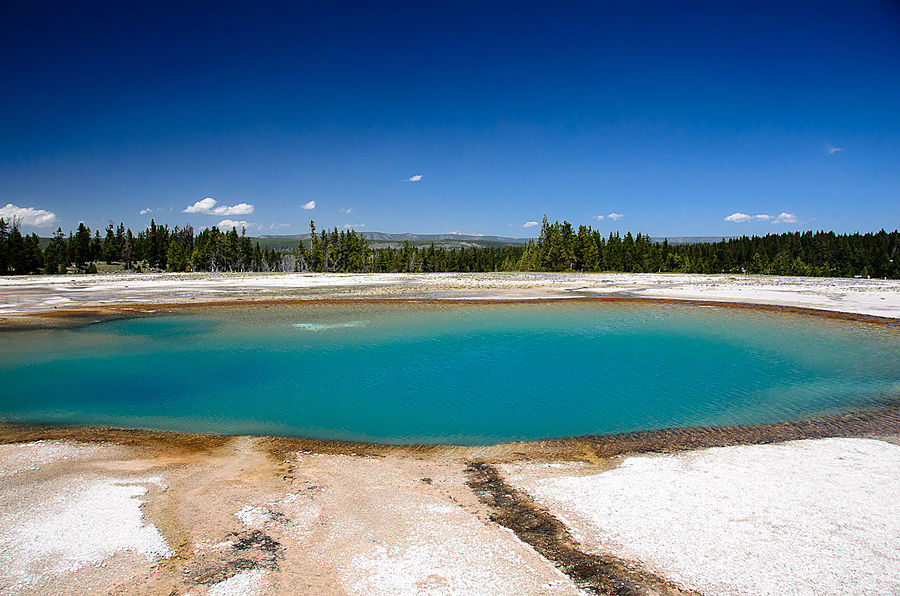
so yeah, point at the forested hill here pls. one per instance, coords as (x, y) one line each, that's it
(560, 247)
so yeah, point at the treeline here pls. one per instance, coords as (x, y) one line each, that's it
(560, 247)
(822, 254)
(156, 248)
(347, 251)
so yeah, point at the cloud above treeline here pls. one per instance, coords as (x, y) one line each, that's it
(145, 211)
(530, 224)
(346, 210)
(781, 218)
(414, 178)
(612, 216)
(227, 224)
(27, 216)
(308, 205)
(208, 206)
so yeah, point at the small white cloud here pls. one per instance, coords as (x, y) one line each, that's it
(530, 224)
(27, 216)
(599, 217)
(207, 206)
(227, 224)
(615, 216)
(145, 211)
(415, 178)
(785, 218)
(739, 217)
(278, 226)
(833, 150)
(202, 206)
(353, 226)
(345, 210)
(308, 205)
(239, 209)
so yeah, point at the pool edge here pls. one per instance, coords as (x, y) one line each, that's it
(80, 316)
(878, 420)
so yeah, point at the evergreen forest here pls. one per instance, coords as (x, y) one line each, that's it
(559, 247)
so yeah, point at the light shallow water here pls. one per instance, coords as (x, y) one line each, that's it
(465, 374)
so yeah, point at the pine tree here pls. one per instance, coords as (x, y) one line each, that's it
(110, 250)
(4, 247)
(81, 247)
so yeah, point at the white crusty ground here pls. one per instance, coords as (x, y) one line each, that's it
(245, 583)
(803, 517)
(17, 458)
(79, 519)
(446, 551)
(253, 516)
(385, 532)
(33, 294)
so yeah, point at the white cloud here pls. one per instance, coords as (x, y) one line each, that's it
(530, 224)
(612, 216)
(207, 206)
(227, 224)
(833, 150)
(415, 178)
(239, 209)
(346, 210)
(353, 226)
(145, 211)
(309, 205)
(783, 217)
(202, 206)
(27, 216)
(278, 226)
(739, 217)
(458, 233)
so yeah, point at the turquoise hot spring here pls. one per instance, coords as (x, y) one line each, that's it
(446, 373)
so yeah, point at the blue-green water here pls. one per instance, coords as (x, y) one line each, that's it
(447, 374)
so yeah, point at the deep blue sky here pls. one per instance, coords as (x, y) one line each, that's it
(675, 117)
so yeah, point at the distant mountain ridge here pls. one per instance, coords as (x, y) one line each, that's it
(692, 239)
(383, 239)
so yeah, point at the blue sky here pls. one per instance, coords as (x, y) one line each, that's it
(708, 118)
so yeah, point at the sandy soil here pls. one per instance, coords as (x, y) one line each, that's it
(242, 519)
(30, 295)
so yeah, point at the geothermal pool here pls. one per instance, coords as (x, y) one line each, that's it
(447, 373)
